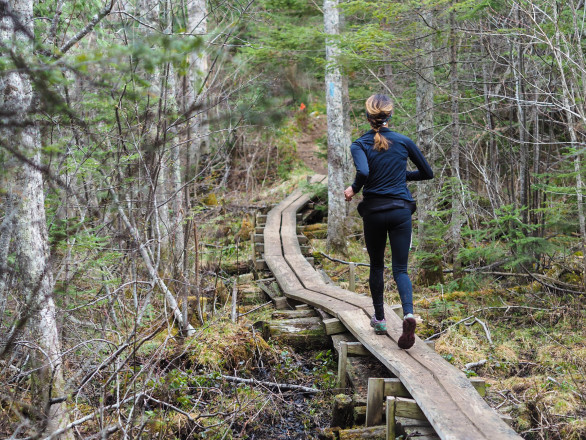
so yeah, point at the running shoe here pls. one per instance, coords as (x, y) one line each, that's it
(380, 327)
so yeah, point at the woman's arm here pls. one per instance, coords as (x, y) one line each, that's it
(424, 171)
(361, 164)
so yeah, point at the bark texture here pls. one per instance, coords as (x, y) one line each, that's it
(193, 90)
(457, 184)
(337, 135)
(25, 191)
(431, 263)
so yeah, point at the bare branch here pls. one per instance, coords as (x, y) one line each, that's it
(87, 29)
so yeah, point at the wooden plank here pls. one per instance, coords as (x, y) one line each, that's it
(281, 303)
(293, 314)
(312, 280)
(374, 401)
(408, 408)
(458, 387)
(271, 234)
(444, 415)
(370, 433)
(285, 277)
(445, 398)
(341, 337)
(272, 238)
(416, 429)
(270, 292)
(260, 264)
(391, 425)
(352, 277)
(342, 362)
(302, 239)
(331, 305)
(394, 387)
(479, 385)
(357, 349)
(289, 231)
(333, 326)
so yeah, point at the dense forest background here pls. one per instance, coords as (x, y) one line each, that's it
(139, 138)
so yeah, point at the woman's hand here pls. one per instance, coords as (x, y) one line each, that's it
(349, 193)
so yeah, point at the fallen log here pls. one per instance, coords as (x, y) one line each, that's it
(299, 333)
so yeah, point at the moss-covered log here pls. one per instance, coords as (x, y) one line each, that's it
(300, 333)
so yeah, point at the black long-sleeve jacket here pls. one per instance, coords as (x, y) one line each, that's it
(384, 173)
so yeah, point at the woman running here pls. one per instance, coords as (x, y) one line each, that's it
(380, 157)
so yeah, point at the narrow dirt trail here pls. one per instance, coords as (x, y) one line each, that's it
(307, 148)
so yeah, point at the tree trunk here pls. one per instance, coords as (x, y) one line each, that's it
(336, 132)
(6, 233)
(457, 191)
(518, 71)
(567, 99)
(431, 264)
(195, 94)
(175, 183)
(491, 162)
(30, 227)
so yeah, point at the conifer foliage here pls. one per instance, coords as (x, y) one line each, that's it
(121, 121)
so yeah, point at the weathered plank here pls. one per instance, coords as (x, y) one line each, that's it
(374, 401)
(326, 303)
(446, 398)
(446, 416)
(394, 387)
(312, 280)
(342, 362)
(333, 326)
(285, 277)
(272, 230)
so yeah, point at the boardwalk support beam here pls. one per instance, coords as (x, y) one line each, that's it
(342, 362)
(374, 401)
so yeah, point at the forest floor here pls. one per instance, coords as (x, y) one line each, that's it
(523, 335)
(525, 339)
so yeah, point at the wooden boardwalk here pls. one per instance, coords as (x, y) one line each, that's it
(451, 404)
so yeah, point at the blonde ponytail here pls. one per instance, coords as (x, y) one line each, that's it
(379, 109)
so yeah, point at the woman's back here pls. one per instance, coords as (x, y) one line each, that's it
(384, 172)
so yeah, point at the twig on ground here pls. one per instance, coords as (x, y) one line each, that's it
(168, 405)
(342, 261)
(551, 379)
(256, 308)
(435, 335)
(90, 416)
(281, 386)
(486, 330)
(472, 365)
(507, 307)
(551, 286)
(234, 314)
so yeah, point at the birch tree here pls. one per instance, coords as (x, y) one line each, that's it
(337, 138)
(194, 90)
(26, 198)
